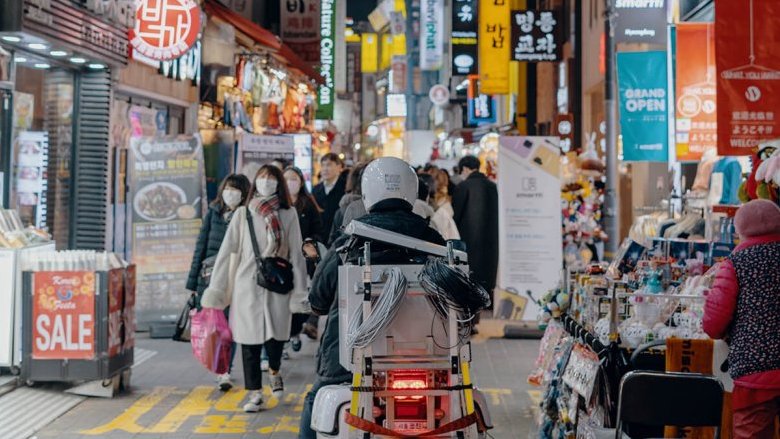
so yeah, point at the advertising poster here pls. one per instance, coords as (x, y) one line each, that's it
(465, 24)
(326, 94)
(254, 151)
(494, 44)
(747, 49)
(536, 36)
(696, 117)
(147, 122)
(128, 315)
(300, 28)
(218, 148)
(24, 110)
(303, 156)
(642, 21)
(481, 108)
(116, 323)
(63, 312)
(431, 34)
(32, 158)
(165, 205)
(643, 106)
(529, 194)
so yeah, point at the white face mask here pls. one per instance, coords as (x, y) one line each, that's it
(231, 197)
(294, 185)
(265, 186)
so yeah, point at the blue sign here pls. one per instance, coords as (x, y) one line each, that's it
(644, 101)
(481, 110)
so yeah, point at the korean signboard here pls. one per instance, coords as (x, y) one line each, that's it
(326, 94)
(254, 151)
(696, 117)
(481, 108)
(494, 45)
(465, 24)
(300, 27)
(165, 29)
(641, 21)
(166, 202)
(63, 315)
(748, 74)
(431, 34)
(643, 105)
(536, 36)
(369, 53)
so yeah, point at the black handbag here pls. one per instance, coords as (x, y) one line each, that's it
(182, 331)
(274, 274)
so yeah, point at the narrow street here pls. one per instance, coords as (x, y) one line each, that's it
(174, 397)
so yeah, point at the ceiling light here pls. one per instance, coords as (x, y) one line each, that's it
(96, 66)
(58, 53)
(20, 59)
(42, 66)
(78, 60)
(36, 46)
(11, 39)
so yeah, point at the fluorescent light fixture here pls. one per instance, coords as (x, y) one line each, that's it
(96, 66)
(42, 65)
(20, 59)
(11, 39)
(36, 46)
(78, 60)
(58, 53)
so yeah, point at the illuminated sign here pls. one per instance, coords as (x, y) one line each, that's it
(165, 29)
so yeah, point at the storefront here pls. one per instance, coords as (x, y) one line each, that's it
(55, 144)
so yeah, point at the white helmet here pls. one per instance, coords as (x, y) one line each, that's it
(388, 178)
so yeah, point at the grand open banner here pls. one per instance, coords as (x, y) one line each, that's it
(530, 253)
(747, 49)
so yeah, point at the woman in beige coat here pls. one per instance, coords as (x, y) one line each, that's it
(258, 317)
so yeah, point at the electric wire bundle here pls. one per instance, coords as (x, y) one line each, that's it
(361, 333)
(450, 288)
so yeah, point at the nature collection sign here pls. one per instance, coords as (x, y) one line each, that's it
(747, 49)
(326, 95)
(494, 45)
(536, 36)
(643, 105)
(165, 29)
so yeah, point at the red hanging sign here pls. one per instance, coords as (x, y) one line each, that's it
(165, 29)
(747, 48)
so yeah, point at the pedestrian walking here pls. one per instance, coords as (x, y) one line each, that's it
(424, 190)
(232, 193)
(443, 218)
(259, 317)
(744, 308)
(352, 195)
(329, 191)
(475, 207)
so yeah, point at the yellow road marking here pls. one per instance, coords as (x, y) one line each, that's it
(197, 403)
(221, 424)
(231, 401)
(128, 421)
(495, 395)
(288, 424)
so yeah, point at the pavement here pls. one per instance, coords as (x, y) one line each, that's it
(172, 396)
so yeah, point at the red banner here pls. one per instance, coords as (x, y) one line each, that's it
(697, 122)
(63, 315)
(116, 298)
(747, 39)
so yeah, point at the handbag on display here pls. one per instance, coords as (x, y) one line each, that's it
(182, 331)
(274, 273)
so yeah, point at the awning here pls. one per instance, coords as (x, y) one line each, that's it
(262, 36)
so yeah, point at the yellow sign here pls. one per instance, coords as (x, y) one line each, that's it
(369, 53)
(399, 45)
(387, 51)
(494, 45)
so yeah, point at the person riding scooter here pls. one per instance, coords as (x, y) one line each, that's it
(389, 190)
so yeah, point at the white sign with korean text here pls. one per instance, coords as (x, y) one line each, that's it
(431, 34)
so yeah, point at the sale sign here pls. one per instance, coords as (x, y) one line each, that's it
(63, 315)
(747, 48)
(696, 118)
(165, 29)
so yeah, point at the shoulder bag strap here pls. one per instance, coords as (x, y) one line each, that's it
(253, 236)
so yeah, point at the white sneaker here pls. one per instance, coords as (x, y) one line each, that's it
(255, 402)
(277, 385)
(264, 365)
(224, 383)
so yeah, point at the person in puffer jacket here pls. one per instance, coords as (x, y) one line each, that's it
(743, 307)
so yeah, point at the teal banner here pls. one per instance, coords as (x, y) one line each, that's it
(326, 94)
(644, 100)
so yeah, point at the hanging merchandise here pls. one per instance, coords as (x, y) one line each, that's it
(642, 84)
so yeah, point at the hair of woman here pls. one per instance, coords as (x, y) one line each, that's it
(238, 181)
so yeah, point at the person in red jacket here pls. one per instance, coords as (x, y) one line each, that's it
(744, 308)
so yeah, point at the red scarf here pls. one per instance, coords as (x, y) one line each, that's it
(268, 209)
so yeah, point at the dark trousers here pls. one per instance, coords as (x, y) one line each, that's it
(251, 355)
(314, 320)
(297, 323)
(308, 404)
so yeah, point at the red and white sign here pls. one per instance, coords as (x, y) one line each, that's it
(439, 95)
(63, 315)
(165, 29)
(747, 50)
(300, 27)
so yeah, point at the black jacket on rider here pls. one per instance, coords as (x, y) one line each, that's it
(393, 215)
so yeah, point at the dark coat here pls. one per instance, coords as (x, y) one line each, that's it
(310, 219)
(212, 233)
(324, 290)
(329, 203)
(476, 213)
(338, 219)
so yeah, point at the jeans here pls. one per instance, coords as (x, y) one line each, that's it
(308, 404)
(251, 356)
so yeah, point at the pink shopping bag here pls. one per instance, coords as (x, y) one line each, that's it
(211, 339)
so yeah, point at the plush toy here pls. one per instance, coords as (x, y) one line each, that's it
(763, 182)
